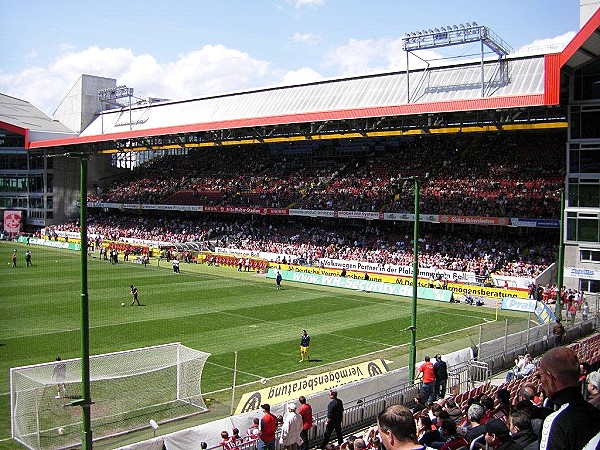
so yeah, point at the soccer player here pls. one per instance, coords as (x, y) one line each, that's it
(278, 279)
(304, 343)
(134, 294)
(60, 375)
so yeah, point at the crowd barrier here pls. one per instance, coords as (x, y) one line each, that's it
(471, 369)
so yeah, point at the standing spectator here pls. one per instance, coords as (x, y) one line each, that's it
(576, 423)
(305, 412)
(227, 442)
(267, 429)
(278, 279)
(291, 429)
(427, 376)
(558, 331)
(440, 370)
(304, 344)
(335, 415)
(397, 428)
(572, 311)
(253, 430)
(585, 310)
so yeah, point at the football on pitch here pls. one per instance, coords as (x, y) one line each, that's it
(122, 304)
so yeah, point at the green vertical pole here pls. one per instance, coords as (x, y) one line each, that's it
(86, 400)
(413, 325)
(561, 256)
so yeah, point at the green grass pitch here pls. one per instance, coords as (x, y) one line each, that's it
(213, 309)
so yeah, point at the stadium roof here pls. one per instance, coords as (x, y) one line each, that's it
(585, 46)
(513, 83)
(21, 117)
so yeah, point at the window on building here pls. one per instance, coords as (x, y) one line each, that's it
(589, 255)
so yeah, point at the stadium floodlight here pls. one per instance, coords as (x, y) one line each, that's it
(475, 24)
(105, 95)
(454, 27)
(437, 30)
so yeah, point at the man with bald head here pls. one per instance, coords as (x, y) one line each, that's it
(574, 424)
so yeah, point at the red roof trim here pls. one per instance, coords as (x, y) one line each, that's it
(409, 109)
(552, 79)
(17, 130)
(586, 31)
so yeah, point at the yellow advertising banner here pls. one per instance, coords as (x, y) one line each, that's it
(312, 384)
(457, 288)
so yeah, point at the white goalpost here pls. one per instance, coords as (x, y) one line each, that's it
(128, 389)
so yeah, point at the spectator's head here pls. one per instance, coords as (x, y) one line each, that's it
(450, 403)
(436, 409)
(359, 444)
(203, 445)
(396, 426)
(496, 432)
(427, 358)
(527, 392)
(438, 357)
(475, 413)
(266, 407)
(487, 402)
(519, 420)
(558, 369)
(224, 435)
(235, 432)
(503, 396)
(448, 428)
(593, 384)
(302, 399)
(291, 407)
(425, 421)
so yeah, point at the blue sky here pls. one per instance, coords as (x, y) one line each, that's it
(190, 48)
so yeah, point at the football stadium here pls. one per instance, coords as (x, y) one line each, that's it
(171, 266)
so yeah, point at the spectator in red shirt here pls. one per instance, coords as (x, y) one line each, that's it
(427, 374)
(268, 428)
(305, 412)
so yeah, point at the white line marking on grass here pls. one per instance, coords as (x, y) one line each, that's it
(358, 339)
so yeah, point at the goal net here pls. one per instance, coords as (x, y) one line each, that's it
(128, 389)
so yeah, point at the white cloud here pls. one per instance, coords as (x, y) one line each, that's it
(367, 56)
(548, 45)
(213, 69)
(300, 76)
(306, 38)
(301, 3)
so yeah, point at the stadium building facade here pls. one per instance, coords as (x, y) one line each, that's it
(539, 93)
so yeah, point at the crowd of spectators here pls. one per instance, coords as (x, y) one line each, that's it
(499, 175)
(485, 252)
